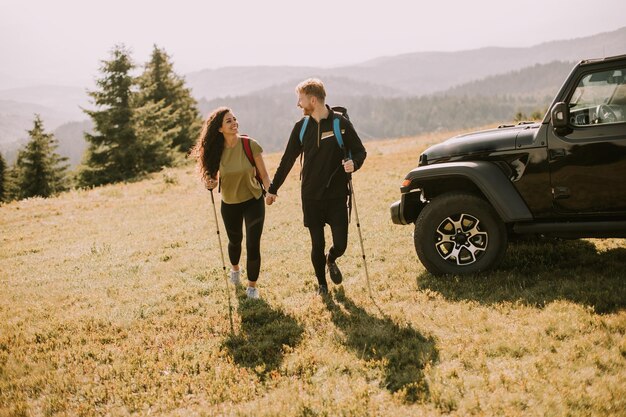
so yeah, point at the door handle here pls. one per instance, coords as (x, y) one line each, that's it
(556, 153)
(559, 193)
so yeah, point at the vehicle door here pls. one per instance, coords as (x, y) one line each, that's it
(588, 159)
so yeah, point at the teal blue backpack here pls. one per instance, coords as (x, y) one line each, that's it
(337, 113)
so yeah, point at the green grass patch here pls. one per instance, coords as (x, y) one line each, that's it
(114, 301)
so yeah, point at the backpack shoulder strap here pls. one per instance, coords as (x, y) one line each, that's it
(337, 129)
(303, 128)
(245, 141)
(338, 135)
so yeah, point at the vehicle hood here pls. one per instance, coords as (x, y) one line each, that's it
(475, 143)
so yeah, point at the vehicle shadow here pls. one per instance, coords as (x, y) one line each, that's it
(541, 271)
(403, 350)
(264, 332)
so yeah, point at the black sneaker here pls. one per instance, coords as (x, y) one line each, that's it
(322, 290)
(334, 272)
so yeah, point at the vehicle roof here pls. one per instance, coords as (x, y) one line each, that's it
(602, 60)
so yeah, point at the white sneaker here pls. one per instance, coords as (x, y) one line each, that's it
(252, 292)
(234, 277)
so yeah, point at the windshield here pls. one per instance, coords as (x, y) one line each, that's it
(600, 97)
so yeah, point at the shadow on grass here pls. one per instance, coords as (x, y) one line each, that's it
(541, 271)
(404, 351)
(264, 331)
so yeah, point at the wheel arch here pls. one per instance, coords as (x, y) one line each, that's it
(481, 178)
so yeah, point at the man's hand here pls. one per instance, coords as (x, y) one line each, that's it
(270, 198)
(348, 165)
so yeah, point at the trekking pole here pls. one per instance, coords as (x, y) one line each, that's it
(219, 239)
(358, 228)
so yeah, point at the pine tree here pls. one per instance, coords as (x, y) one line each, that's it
(39, 169)
(113, 154)
(3, 179)
(153, 123)
(12, 190)
(160, 84)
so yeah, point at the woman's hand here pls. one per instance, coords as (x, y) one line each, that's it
(211, 183)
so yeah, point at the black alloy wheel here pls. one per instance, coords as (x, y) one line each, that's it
(459, 233)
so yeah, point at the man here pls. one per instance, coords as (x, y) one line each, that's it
(326, 171)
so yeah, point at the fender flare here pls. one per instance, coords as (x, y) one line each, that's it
(489, 179)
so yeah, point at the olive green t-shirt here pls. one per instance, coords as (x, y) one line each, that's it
(237, 174)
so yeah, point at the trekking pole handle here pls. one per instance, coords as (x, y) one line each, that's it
(346, 159)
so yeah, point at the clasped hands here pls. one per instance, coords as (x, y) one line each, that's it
(270, 198)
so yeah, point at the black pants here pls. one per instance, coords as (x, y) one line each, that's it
(318, 213)
(253, 212)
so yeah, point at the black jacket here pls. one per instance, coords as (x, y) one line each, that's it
(323, 176)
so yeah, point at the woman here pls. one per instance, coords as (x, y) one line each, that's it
(219, 150)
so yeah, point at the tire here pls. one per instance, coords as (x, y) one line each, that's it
(478, 243)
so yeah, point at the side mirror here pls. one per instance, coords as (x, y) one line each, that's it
(560, 115)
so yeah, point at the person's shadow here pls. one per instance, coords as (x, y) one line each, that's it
(404, 350)
(540, 271)
(264, 332)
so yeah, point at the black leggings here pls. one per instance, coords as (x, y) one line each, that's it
(253, 212)
(335, 214)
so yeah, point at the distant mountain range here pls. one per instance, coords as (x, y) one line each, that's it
(269, 115)
(411, 84)
(57, 106)
(539, 81)
(411, 74)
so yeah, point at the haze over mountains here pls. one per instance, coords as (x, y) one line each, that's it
(411, 74)
(398, 88)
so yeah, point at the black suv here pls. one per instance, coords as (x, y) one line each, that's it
(563, 177)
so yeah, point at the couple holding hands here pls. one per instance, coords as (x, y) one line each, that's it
(326, 168)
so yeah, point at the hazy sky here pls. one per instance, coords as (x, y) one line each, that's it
(63, 41)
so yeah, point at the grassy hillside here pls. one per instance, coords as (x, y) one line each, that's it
(113, 302)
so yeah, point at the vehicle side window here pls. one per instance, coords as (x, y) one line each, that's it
(599, 98)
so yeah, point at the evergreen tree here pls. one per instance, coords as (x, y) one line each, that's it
(154, 133)
(3, 179)
(113, 153)
(160, 84)
(39, 169)
(12, 191)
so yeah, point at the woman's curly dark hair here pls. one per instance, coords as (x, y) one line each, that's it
(210, 144)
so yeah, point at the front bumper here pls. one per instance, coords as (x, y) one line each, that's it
(396, 213)
(406, 210)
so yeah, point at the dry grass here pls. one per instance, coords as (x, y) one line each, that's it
(113, 302)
